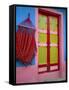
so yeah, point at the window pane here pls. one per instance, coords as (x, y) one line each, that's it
(53, 39)
(42, 22)
(42, 55)
(42, 38)
(53, 55)
(53, 23)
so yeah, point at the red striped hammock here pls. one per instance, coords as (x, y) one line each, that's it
(25, 46)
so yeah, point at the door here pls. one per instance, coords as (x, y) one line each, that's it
(48, 42)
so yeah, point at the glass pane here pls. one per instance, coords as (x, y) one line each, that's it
(42, 38)
(42, 22)
(53, 39)
(42, 55)
(53, 24)
(53, 55)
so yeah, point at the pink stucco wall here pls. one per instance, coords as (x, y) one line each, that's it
(30, 74)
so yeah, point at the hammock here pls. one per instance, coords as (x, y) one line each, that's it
(25, 46)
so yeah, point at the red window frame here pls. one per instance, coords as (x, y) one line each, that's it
(48, 65)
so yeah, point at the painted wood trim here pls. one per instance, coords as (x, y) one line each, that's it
(45, 31)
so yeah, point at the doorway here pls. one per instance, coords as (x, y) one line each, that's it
(48, 41)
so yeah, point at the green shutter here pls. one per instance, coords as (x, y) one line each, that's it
(42, 22)
(53, 23)
(53, 55)
(53, 39)
(42, 38)
(42, 55)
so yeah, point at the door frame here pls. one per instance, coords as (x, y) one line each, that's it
(51, 12)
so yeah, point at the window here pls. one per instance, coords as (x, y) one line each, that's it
(48, 49)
